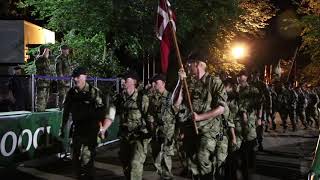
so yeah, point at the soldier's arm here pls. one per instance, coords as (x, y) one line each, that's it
(177, 98)
(219, 102)
(109, 112)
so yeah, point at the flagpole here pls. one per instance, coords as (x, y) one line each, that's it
(184, 81)
(294, 59)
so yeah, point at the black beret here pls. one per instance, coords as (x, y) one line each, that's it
(78, 71)
(157, 77)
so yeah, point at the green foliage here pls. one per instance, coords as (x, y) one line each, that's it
(93, 53)
(97, 29)
(29, 68)
(309, 11)
(253, 18)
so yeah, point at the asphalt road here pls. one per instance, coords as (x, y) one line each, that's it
(286, 156)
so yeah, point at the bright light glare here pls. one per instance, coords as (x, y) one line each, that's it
(238, 52)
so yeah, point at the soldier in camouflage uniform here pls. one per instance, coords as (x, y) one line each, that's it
(301, 106)
(234, 162)
(248, 96)
(208, 101)
(287, 99)
(132, 107)
(91, 117)
(63, 69)
(161, 120)
(263, 107)
(42, 63)
(228, 140)
(312, 113)
(275, 106)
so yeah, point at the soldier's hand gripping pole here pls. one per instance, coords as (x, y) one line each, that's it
(184, 81)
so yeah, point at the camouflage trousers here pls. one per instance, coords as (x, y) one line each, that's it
(284, 113)
(62, 91)
(200, 151)
(222, 151)
(84, 152)
(301, 115)
(162, 153)
(132, 155)
(42, 98)
(312, 115)
(221, 156)
(249, 130)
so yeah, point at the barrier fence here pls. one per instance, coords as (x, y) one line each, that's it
(26, 134)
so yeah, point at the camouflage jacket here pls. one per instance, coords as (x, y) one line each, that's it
(248, 102)
(43, 66)
(264, 94)
(302, 99)
(207, 94)
(63, 68)
(248, 98)
(313, 99)
(161, 114)
(132, 110)
(87, 108)
(287, 99)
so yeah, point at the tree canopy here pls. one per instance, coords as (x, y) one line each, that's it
(309, 11)
(107, 32)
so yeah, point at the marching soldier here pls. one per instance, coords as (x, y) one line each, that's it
(228, 140)
(301, 106)
(208, 101)
(248, 96)
(311, 112)
(263, 107)
(234, 162)
(161, 118)
(287, 99)
(90, 117)
(132, 107)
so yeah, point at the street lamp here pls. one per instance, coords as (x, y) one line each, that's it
(238, 52)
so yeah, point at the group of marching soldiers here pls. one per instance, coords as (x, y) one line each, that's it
(300, 104)
(215, 138)
(214, 125)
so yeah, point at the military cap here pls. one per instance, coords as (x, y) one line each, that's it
(157, 77)
(78, 71)
(132, 75)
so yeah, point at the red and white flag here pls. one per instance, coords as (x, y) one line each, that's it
(164, 32)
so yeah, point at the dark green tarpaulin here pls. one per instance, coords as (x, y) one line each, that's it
(29, 135)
